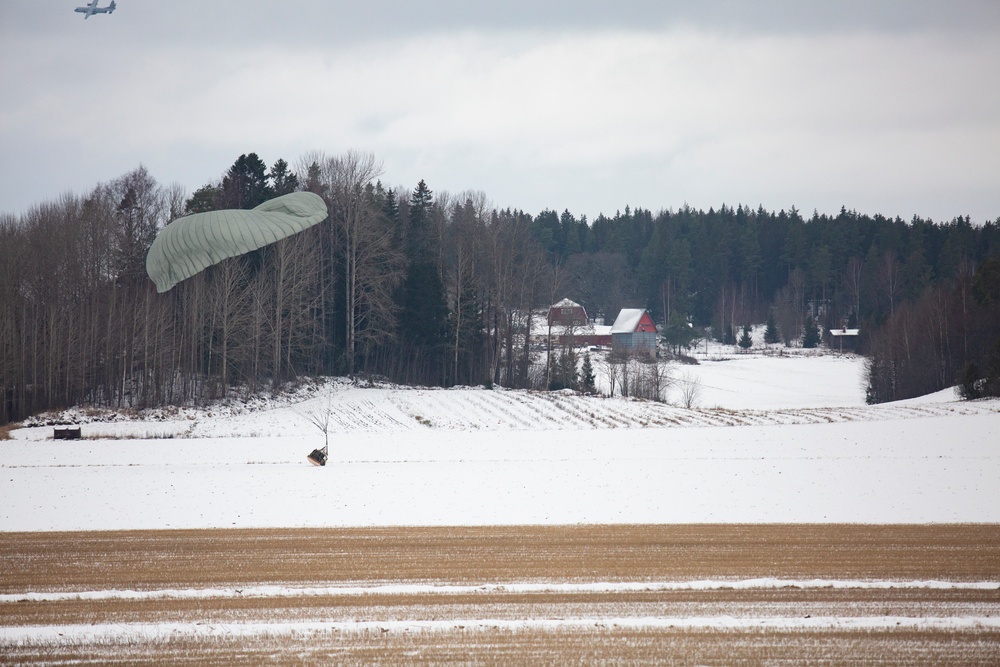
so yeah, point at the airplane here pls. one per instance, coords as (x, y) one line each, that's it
(92, 9)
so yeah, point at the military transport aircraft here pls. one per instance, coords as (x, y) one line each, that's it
(92, 9)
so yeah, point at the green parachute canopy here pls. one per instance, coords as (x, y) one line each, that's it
(193, 243)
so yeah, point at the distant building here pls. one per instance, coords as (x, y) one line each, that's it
(843, 339)
(567, 313)
(567, 324)
(634, 333)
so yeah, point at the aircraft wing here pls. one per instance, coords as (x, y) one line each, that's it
(89, 10)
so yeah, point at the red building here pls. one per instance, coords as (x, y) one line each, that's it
(634, 333)
(568, 325)
(567, 313)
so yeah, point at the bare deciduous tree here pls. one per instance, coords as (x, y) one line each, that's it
(690, 389)
(320, 417)
(889, 278)
(659, 379)
(854, 281)
(370, 264)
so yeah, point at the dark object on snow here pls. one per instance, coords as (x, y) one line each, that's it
(66, 433)
(318, 457)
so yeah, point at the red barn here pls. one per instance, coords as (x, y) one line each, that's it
(568, 324)
(567, 313)
(634, 333)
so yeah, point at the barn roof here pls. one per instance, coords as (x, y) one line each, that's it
(627, 320)
(565, 303)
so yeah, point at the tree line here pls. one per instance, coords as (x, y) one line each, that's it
(432, 288)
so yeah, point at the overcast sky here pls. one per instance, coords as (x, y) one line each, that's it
(888, 107)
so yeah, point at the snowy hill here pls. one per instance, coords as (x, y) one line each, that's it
(780, 440)
(747, 390)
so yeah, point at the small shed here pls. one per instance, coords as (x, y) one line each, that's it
(634, 333)
(66, 433)
(843, 339)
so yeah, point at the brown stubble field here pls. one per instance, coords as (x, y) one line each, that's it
(498, 626)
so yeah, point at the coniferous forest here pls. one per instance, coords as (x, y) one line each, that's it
(424, 287)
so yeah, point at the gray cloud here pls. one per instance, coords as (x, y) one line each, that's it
(885, 107)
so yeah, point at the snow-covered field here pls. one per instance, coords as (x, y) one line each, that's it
(773, 439)
(777, 439)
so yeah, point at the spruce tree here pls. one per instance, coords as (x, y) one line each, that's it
(419, 240)
(588, 382)
(565, 375)
(245, 185)
(314, 179)
(746, 342)
(771, 335)
(678, 332)
(423, 308)
(390, 208)
(283, 179)
(810, 338)
(423, 311)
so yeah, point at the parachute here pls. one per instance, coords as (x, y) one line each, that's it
(190, 244)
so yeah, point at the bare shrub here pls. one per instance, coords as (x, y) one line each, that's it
(651, 379)
(690, 386)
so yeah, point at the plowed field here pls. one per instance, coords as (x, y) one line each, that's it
(699, 594)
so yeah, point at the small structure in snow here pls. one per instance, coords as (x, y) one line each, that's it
(66, 433)
(634, 333)
(843, 339)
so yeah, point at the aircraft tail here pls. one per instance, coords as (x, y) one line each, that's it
(112, 7)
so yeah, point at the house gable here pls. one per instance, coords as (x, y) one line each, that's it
(631, 320)
(646, 324)
(567, 313)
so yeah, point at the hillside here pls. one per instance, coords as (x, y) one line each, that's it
(401, 456)
(734, 391)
